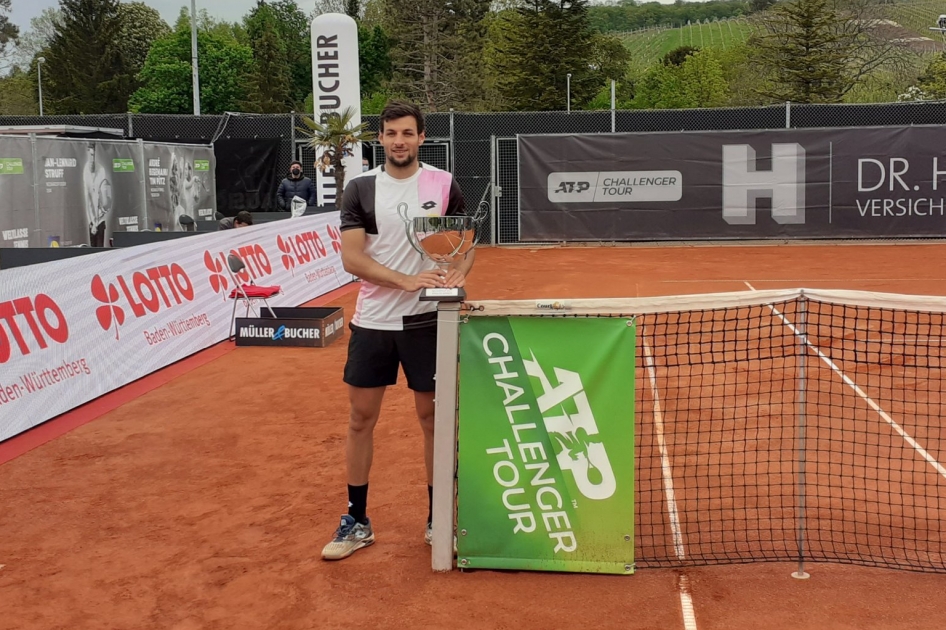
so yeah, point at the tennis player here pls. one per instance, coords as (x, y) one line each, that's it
(391, 327)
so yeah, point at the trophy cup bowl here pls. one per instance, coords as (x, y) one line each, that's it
(443, 240)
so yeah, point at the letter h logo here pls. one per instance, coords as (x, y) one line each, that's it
(743, 184)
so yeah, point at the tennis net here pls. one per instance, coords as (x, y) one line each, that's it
(795, 425)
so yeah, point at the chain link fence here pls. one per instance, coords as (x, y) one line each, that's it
(480, 148)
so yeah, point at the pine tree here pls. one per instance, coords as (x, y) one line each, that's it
(436, 50)
(272, 93)
(538, 45)
(85, 72)
(293, 27)
(806, 51)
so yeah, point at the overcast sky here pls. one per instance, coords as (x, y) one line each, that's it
(230, 10)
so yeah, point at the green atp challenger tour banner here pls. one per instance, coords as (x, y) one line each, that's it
(545, 465)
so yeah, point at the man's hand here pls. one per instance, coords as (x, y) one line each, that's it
(454, 278)
(431, 279)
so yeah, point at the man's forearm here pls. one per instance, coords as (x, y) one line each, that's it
(366, 268)
(465, 264)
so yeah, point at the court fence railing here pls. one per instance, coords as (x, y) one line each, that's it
(480, 149)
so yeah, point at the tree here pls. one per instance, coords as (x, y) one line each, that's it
(696, 82)
(818, 50)
(334, 139)
(294, 30)
(140, 26)
(436, 50)
(18, 95)
(352, 8)
(42, 29)
(8, 31)
(374, 59)
(678, 55)
(226, 73)
(537, 46)
(806, 52)
(85, 72)
(931, 84)
(271, 63)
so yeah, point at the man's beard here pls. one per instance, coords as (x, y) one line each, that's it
(410, 159)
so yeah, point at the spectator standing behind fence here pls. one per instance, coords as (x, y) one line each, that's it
(295, 185)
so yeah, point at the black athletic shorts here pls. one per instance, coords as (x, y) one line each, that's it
(374, 355)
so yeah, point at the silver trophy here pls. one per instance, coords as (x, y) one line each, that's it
(443, 240)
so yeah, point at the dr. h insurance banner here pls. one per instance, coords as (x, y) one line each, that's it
(546, 444)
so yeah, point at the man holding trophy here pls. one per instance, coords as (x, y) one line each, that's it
(406, 235)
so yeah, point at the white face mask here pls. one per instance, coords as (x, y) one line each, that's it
(364, 168)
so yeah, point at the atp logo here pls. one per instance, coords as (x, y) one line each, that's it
(572, 187)
(578, 448)
(743, 184)
(280, 333)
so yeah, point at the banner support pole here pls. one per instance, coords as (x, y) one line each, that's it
(445, 435)
(37, 224)
(145, 186)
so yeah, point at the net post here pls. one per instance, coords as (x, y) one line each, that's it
(802, 335)
(445, 435)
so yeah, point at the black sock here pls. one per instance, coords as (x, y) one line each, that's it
(430, 504)
(358, 502)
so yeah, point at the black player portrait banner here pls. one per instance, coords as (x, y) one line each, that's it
(805, 183)
(86, 190)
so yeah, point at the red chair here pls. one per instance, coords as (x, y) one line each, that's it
(247, 292)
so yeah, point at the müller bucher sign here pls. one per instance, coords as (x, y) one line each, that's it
(305, 327)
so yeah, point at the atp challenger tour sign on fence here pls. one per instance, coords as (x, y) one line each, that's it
(546, 444)
(812, 183)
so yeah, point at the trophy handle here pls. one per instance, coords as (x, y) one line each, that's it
(482, 211)
(402, 209)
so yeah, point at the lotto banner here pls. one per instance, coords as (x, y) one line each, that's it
(76, 329)
(546, 444)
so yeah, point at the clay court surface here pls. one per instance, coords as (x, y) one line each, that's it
(202, 497)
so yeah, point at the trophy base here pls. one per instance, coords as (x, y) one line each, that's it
(456, 294)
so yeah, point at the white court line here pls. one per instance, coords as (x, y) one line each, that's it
(883, 414)
(686, 601)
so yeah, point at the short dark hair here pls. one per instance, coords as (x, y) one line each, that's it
(395, 109)
(243, 217)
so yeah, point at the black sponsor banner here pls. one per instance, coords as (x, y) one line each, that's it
(116, 188)
(17, 209)
(180, 182)
(812, 183)
(247, 176)
(63, 203)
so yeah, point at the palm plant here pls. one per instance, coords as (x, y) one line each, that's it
(335, 138)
